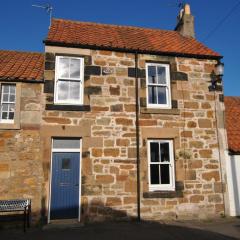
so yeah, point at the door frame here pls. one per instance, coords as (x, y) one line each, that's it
(66, 150)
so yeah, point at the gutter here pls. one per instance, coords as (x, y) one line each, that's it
(232, 152)
(9, 80)
(137, 140)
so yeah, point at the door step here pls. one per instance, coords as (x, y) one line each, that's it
(63, 224)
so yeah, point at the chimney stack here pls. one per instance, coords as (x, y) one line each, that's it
(185, 22)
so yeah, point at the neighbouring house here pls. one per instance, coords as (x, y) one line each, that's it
(125, 124)
(21, 84)
(232, 105)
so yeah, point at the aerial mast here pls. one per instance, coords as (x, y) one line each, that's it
(48, 8)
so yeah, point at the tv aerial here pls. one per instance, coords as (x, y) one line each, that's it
(48, 8)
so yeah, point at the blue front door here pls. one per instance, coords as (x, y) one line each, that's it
(65, 186)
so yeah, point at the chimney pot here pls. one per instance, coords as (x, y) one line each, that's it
(185, 22)
(187, 9)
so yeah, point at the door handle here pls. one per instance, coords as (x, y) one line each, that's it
(76, 185)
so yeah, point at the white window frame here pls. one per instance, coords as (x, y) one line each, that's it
(162, 187)
(168, 105)
(8, 102)
(57, 78)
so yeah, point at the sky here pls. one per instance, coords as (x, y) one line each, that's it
(24, 27)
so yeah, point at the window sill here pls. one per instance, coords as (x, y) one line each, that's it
(163, 194)
(9, 126)
(177, 193)
(59, 107)
(172, 111)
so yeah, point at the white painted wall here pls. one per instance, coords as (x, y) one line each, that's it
(233, 183)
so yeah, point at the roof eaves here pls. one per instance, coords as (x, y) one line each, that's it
(96, 47)
(26, 80)
(233, 152)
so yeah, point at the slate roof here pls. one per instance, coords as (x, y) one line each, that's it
(21, 66)
(114, 37)
(232, 105)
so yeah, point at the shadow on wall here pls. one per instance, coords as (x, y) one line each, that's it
(94, 212)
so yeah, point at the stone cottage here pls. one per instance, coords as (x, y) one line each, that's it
(21, 83)
(124, 126)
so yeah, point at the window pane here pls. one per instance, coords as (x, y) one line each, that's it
(63, 88)
(162, 95)
(66, 143)
(6, 88)
(4, 115)
(164, 148)
(75, 68)
(5, 97)
(11, 107)
(11, 115)
(154, 173)
(154, 150)
(152, 95)
(63, 68)
(12, 89)
(165, 176)
(4, 107)
(12, 98)
(74, 90)
(161, 75)
(152, 74)
(66, 164)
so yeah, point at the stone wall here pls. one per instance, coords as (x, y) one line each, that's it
(106, 124)
(21, 172)
(192, 126)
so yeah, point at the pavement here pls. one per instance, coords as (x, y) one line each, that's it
(221, 229)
